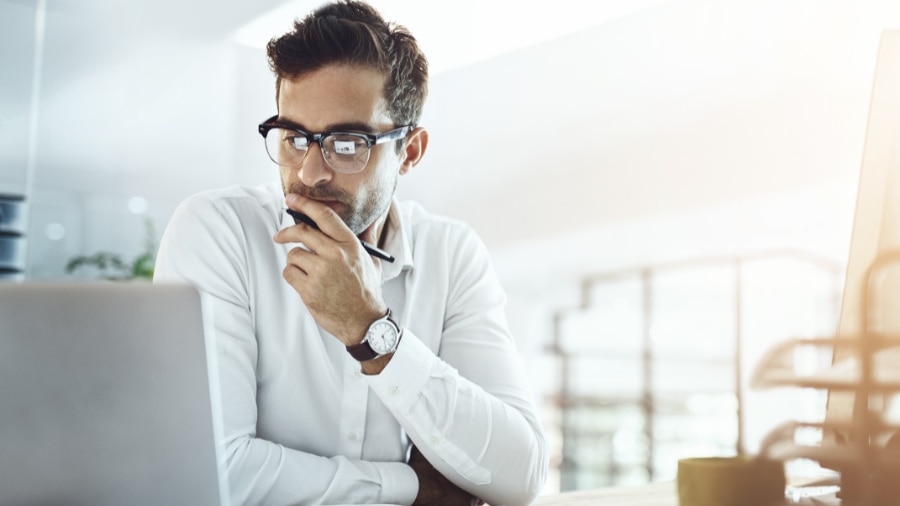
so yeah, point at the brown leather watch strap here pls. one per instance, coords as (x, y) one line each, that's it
(362, 351)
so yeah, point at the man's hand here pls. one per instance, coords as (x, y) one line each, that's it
(434, 488)
(337, 280)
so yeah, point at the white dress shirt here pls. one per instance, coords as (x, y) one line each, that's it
(302, 424)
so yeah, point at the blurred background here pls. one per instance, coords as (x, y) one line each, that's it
(667, 187)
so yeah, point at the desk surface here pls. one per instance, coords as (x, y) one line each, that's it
(655, 494)
(665, 494)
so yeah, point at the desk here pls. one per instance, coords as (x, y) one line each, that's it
(654, 494)
(661, 494)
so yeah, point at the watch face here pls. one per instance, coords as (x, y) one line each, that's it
(382, 337)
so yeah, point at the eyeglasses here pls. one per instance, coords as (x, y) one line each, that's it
(344, 152)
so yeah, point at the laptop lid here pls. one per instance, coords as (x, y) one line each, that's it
(105, 396)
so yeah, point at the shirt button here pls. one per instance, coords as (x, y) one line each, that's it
(393, 391)
(356, 374)
(433, 440)
(351, 436)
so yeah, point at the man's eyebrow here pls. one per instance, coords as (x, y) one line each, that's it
(288, 123)
(354, 126)
(351, 127)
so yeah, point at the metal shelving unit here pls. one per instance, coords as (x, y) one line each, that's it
(641, 412)
(12, 237)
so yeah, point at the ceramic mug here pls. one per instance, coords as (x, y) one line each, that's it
(730, 481)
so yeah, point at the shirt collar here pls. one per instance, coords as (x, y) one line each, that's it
(397, 243)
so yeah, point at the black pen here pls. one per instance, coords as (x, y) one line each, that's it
(372, 250)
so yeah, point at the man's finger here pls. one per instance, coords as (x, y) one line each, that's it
(299, 233)
(325, 218)
(302, 259)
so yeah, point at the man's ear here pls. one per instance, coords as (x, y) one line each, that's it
(416, 144)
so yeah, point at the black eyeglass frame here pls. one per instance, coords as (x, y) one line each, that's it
(369, 139)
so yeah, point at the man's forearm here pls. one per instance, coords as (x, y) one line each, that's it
(262, 472)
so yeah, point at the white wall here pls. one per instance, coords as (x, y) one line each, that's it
(688, 105)
(692, 129)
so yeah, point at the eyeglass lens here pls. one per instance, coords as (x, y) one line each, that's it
(345, 153)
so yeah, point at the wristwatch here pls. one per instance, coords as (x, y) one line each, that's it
(382, 338)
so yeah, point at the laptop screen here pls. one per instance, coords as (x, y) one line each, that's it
(105, 396)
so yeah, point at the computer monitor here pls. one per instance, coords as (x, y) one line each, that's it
(871, 298)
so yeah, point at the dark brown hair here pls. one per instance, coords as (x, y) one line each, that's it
(350, 32)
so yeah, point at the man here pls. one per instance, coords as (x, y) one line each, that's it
(346, 378)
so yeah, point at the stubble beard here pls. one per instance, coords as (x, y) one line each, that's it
(358, 216)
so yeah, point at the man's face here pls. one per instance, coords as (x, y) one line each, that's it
(349, 99)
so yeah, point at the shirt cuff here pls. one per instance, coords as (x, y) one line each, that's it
(400, 382)
(399, 484)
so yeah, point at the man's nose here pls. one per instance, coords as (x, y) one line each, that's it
(314, 170)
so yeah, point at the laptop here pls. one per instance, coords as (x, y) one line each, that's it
(105, 396)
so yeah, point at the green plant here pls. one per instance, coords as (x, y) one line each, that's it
(111, 265)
